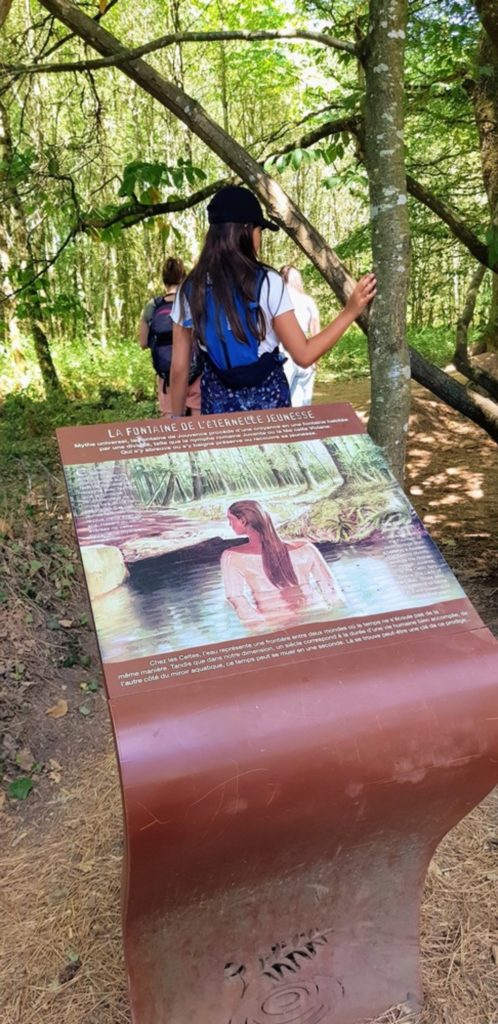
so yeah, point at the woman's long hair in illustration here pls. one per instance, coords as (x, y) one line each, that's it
(276, 560)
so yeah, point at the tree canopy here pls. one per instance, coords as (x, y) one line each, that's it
(100, 180)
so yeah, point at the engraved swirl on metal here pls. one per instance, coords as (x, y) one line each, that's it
(294, 1004)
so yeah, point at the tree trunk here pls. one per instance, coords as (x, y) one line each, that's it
(465, 319)
(5, 6)
(120, 493)
(304, 475)
(384, 158)
(480, 410)
(488, 341)
(484, 93)
(196, 476)
(488, 13)
(342, 464)
(18, 250)
(278, 477)
(461, 356)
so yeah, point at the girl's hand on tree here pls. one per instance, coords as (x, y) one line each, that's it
(363, 293)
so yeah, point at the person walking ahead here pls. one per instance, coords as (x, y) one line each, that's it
(239, 310)
(301, 380)
(155, 332)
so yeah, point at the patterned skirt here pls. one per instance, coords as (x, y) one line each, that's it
(273, 393)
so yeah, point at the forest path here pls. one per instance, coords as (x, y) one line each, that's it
(60, 943)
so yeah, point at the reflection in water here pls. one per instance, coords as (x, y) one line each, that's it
(176, 602)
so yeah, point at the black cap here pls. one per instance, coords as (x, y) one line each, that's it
(236, 205)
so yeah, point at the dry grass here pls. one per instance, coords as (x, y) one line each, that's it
(60, 894)
(60, 937)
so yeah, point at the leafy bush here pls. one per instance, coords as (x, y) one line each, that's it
(350, 357)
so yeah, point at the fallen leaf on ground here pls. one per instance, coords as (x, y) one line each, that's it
(66, 623)
(3, 798)
(21, 788)
(55, 770)
(58, 710)
(86, 866)
(494, 954)
(25, 759)
(70, 970)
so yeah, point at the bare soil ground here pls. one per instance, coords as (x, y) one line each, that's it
(60, 948)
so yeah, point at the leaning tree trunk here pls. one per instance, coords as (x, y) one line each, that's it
(461, 359)
(385, 163)
(464, 321)
(5, 6)
(279, 205)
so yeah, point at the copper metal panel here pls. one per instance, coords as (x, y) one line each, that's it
(280, 816)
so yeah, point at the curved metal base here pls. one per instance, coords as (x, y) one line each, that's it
(279, 831)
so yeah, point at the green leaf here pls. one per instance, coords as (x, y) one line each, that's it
(296, 159)
(141, 174)
(282, 162)
(84, 710)
(20, 789)
(492, 243)
(328, 153)
(150, 196)
(331, 181)
(35, 566)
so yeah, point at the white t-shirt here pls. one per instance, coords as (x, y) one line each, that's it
(274, 299)
(305, 309)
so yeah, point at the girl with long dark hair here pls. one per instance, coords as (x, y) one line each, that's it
(239, 310)
(270, 581)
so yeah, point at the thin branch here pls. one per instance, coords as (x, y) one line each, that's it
(342, 124)
(453, 220)
(71, 35)
(46, 266)
(173, 38)
(138, 212)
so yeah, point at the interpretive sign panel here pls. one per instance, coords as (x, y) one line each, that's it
(303, 702)
(218, 545)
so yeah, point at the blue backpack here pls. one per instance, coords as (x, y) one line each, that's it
(160, 342)
(235, 362)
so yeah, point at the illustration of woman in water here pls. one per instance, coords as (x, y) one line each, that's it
(269, 581)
